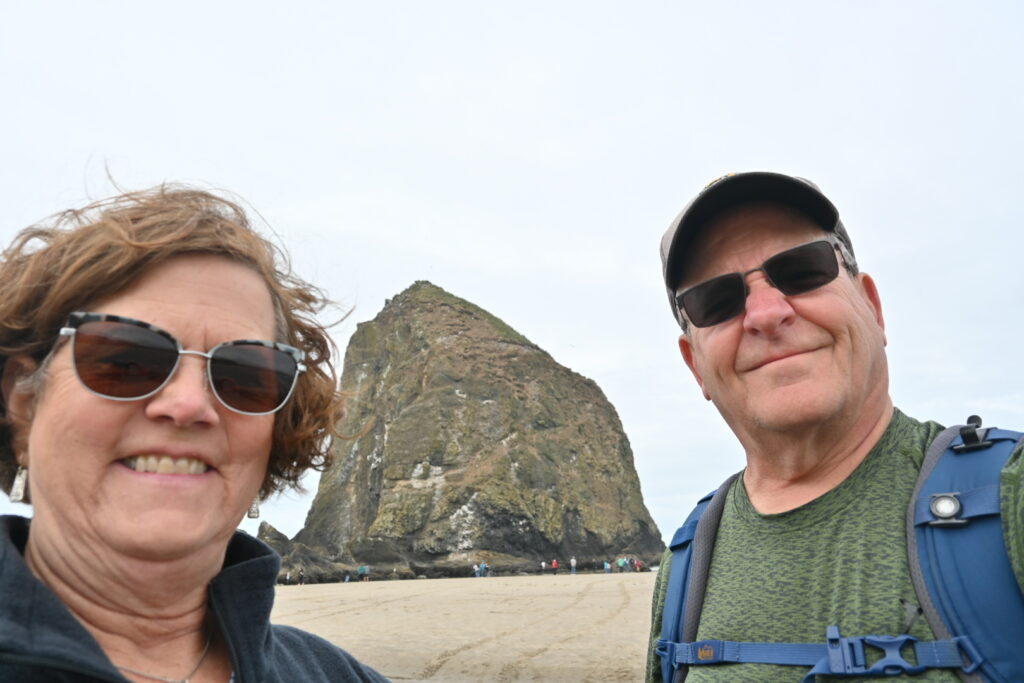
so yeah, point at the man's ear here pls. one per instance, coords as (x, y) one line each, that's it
(686, 348)
(19, 403)
(870, 292)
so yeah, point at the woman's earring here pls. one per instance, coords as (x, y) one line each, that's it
(18, 487)
(254, 508)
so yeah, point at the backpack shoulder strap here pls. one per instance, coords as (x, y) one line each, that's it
(958, 559)
(691, 548)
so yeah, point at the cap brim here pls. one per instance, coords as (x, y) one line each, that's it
(731, 191)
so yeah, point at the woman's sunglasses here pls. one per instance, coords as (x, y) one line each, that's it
(794, 271)
(127, 360)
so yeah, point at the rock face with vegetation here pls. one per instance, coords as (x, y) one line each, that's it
(473, 445)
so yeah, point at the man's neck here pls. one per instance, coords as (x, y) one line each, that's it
(791, 468)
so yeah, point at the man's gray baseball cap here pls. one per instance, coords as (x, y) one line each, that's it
(732, 190)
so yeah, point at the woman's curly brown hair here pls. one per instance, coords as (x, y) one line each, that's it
(81, 256)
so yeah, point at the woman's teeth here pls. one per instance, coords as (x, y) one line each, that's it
(165, 464)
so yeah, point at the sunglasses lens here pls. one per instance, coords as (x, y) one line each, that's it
(120, 360)
(714, 301)
(803, 269)
(793, 272)
(252, 378)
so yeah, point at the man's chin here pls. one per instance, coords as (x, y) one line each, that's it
(790, 410)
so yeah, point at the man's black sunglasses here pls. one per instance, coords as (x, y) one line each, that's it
(794, 271)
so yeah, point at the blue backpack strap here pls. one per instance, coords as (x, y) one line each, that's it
(838, 656)
(958, 558)
(691, 548)
(675, 593)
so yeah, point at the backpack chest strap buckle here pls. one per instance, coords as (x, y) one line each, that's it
(846, 656)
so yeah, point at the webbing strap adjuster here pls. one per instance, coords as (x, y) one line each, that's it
(845, 655)
(966, 647)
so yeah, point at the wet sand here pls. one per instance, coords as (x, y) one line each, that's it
(588, 627)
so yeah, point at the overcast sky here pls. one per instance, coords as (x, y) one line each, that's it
(528, 156)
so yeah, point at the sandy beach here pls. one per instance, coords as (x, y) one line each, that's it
(587, 627)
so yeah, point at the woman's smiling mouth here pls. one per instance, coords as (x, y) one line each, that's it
(165, 464)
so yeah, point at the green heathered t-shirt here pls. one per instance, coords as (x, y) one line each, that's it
(841, 559)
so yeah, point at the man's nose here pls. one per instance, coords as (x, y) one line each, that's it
(767, 309)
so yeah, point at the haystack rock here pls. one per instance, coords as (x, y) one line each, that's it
(473, 445)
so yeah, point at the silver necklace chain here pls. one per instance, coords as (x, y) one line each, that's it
(164, 679)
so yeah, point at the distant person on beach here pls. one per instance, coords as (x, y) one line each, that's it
(543, 567)
(554, 566)
(163, 372)
(302, 576)
(572, 565)
(807, 571)
(476, 570)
